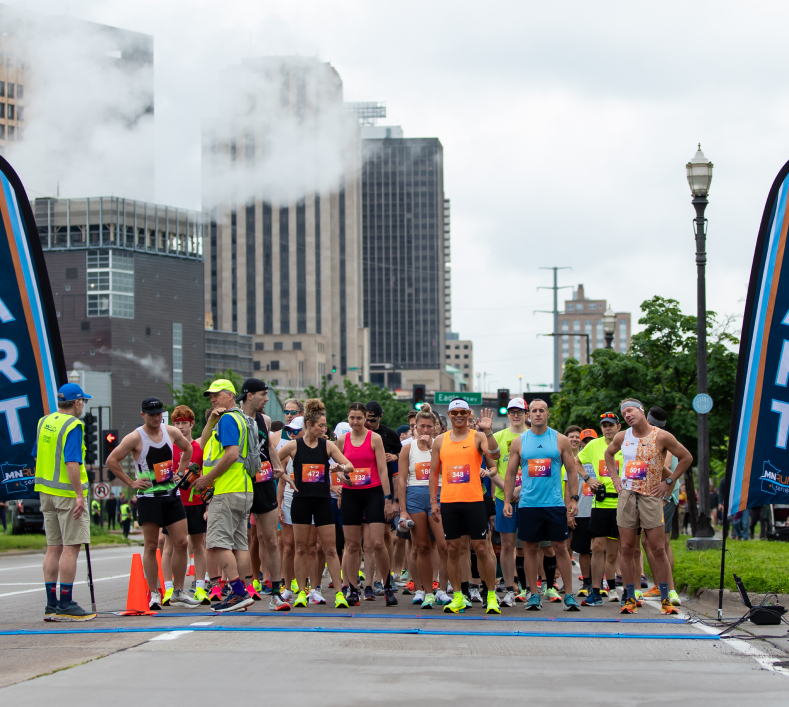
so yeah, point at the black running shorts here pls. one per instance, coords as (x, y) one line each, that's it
(602, 523)
(160, 510)
(308, 508)
(464, 518)
(264, 496)
(362, 505)
(581, 541)
(195, 525)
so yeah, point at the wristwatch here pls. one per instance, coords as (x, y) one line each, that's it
(669, 481)
(574, 497)
(585, 478)
(388, 497)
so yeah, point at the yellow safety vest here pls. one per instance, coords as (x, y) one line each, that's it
(125, 512)
(235, 479)
(95, 507)
(51, 472)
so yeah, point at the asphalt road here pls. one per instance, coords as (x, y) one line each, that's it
(375, 654)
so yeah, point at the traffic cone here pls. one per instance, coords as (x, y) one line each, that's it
(161, 576)
(137, 598)
(191, 572)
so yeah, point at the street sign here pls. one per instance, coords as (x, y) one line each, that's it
(702, 403)
(444, 398)
(101, 491)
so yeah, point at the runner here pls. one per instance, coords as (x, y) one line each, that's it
(457, 459)
(312, 502)
(284, 499)
(641, 495)
(151, 447)
(541, 508)
(581, 541)
(292, 408)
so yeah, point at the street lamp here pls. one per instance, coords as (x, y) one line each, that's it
(699, 171)
(609, 325)
(520, 384)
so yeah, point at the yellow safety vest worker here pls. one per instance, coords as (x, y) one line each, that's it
(125, 515)
(95, 507)
(51, 472)
(235, 479)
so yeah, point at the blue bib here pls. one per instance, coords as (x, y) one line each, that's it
(541, 471)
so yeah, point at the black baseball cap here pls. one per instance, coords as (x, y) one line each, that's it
(152, 406)
(375, 408)
(251, 385)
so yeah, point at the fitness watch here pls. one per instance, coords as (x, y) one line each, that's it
(669, 481)
(574, 497)
(388, 497)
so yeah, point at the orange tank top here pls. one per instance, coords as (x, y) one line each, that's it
(460, 467)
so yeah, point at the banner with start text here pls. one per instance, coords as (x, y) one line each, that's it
(32, 367)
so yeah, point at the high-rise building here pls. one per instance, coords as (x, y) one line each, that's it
(405, 242)
(585, 316)
(447, 270)
(460, 355)
(281, 165)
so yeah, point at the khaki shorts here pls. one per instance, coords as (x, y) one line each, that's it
(228, 514)
(59, 523)
(636, 510)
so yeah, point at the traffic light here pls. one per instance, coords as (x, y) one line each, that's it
(108, 442)
(418, 397)
(89, 421)
(503, 399)
(334, 369)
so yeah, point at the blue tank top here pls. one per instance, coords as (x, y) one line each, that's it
(541, 479)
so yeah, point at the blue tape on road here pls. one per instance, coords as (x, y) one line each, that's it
(385, 631)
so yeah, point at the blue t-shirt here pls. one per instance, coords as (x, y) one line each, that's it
(541, 478)
(72, 449)
(227, 430)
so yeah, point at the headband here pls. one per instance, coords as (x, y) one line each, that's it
(655, 423)
(183, 419)
(631, 404)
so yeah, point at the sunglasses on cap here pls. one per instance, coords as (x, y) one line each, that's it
(609, 417)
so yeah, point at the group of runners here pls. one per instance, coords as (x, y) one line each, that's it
(437, 514)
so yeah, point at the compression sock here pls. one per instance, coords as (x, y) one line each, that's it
(484, 588)
(663, 591)
(65, 595)
(631, 590)
(510, 588)
(474, 569)
(549, 565)
(464, 587)
(200, 583)
(388, 582)
(52, 593)
(238, 586)
(521, 571)
(595, 591)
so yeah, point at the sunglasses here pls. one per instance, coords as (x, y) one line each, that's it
(516, 411)
(373, 418)
(291, 412)
(462, 413)
(609, 416)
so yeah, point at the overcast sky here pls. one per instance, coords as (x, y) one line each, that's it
(566, 127)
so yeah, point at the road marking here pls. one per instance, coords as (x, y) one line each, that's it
(41, 589)
(171, 636)
(202, 623)
(92, 559)
(768, 662)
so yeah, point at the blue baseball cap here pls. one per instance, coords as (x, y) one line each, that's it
(71, 391)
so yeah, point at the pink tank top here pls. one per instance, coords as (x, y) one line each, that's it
(365, 468)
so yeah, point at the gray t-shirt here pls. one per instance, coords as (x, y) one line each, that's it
(585, 501)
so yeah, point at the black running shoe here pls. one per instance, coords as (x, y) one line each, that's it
(234, 602)
(391, 599)
(369, 593)
(353, 598)
(74, 612)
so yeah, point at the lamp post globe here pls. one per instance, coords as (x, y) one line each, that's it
(699, 174)
(609, 326)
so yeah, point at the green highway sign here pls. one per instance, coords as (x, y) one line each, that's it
(444, 398)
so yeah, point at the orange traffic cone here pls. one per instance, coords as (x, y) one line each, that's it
(161, 576)
(191, 572)
(137, 598)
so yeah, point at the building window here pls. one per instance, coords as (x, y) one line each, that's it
(2, 88)
(569, 307)
(588, 338)
(259, 346)
(2, 110)
(297, 346)
(577, 325)
(599, 328)
(465, 355)
(274, 365)
(10, 111)
(622, 335)
(277, 346)
(110, 279)
(10, 90)
(301, 374)
(11, 135)
(256, 365)
(592, 306)
(20, 92)
(465, 346)
(565, 325)
(178, 356)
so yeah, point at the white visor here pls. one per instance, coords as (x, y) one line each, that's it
(458, 405)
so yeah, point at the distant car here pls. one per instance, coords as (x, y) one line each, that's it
(26, 515)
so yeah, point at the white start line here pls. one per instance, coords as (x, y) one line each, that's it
(172, 635)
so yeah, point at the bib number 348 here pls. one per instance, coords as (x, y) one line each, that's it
(459, 474)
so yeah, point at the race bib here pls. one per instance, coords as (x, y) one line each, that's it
(539, 468)
(335, 479)
(313, 473)
(519, 478)
(586, 490)
(459, 474)
(361, 477)
(422, 471)
(636, 471)
(266, 473)
(602, 469)
(163, 471)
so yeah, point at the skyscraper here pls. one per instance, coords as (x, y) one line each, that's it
(281, 160)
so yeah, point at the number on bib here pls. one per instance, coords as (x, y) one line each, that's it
(312, 473)
(539, 468)
(266, 473)
(361, 477)
(519, 478)
(422, 471)
(459, 474)
(163, 471)
(586, 490)
(602, 469)
(636, 471)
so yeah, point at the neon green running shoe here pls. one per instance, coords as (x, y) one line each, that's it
(552, 595)
(301, 599)
(457, 605)
(674, 598)
(429, 601)
(294, 586)
(493, 604)
(201, 595)
(257, 585)
(166, 598)
(340, 602)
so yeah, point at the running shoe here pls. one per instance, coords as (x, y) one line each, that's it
(534, 603)
(410, 588)
(561, 590)
(353, 597)
(585, 590)
(639, 598)
(278, 604)
(552, 595)
(331, 585)
(340, 602)
(508, 599)
(501, 587)
(404, 576)
(612, 597)
(493, 603)
(301, 599)
(369, 593)
(644, 583)
(168, 593)
(227, 590)
(391, 599)
(316, 598)
(435, 587)
(266, 588)
(215, 594)
(294, 586)
(618, 580)
(666, 607)
(287, 595)
(50, 612)
(429, 601)
(74, 612)
(592, 600)
(378, 587)
(523, 596)
(629, 607)
(449, 588)
(467, 601)
(604, 591)
(257, 586)
(155, 602)
(442, 598)
(456, 606)
(201, 595)
(234, 602)
(674, 597)
(361, 577)
(181, 598)
(653, 593)
(253, 592)
(419, 597)
(474, 595)
(570, 604)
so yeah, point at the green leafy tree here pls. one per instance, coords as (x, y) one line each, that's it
(658, 369)
(337, 400)
(191, 395)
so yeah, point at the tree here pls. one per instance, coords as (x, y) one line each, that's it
(337, 401)
(191, 395)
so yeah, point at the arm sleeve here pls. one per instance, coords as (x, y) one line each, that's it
(72, 450)
(228, 430)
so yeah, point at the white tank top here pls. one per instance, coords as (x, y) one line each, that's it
(288, 497)
(158, 452)
(418, 465)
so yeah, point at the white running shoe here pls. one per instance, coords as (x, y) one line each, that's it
(508, 599)
(605, 584)
(316, 598)
(612, 596)
(155, 604)
(277, 604)
(286, 595)
(442, 598)
(181, 598)
(474, 595)
(419, 597)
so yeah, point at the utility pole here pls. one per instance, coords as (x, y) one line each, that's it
(555, 313)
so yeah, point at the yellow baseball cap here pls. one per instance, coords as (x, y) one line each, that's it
(220, 385)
